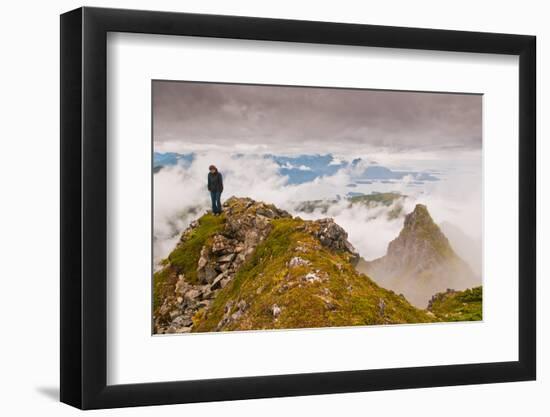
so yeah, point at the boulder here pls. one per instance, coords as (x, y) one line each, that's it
(192, 295)
(209, 274)
(221, 245)
(217, 281)
(203, 260)
(181, 321)
(181, 285)
(312, 277)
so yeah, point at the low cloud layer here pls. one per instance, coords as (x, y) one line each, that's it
(180, 195)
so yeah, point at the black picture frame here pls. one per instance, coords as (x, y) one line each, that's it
(84, 207)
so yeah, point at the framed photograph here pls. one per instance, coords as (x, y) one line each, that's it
(258, 208)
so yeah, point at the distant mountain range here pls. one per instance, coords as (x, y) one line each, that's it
(161, 159)
(369, 200)
(377, 172)
(306, 168)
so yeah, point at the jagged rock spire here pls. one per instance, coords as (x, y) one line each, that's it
(420, 261)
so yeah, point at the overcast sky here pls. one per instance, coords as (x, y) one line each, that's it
(306, 119)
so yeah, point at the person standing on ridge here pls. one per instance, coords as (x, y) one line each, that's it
(215, 186)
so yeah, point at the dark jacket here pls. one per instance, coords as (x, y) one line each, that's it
(215, 182)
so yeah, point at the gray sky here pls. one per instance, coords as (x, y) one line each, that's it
(225, 114)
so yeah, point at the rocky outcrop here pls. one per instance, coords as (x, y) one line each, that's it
(176, 313)
(332, 236)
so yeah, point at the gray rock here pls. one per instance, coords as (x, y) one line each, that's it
(181, 285)
(236, 315)
(181, 321)
(206, 292)
(183, 330)
(297, 261)
(217, 281)
(335, 237)
(312, 277)
(192, 295)
(204, 304)
(203, 260)
(275, 310)
(226, 258)
(174, 314)
(221, 245)
(228, 307)
(207, 274)
(381, 306)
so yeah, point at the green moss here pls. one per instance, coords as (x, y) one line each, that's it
(185, 257)
(459, 306)
(340, 297)
(163, 281)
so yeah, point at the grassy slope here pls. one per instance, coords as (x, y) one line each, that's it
(343, 298)
(460, 306)
(184, 258)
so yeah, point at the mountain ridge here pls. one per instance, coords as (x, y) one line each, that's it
(257, 267)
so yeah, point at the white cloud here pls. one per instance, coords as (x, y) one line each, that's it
(456, 199)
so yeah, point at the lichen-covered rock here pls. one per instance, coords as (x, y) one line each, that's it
(275, 310)
(297, 261)
(333, 237)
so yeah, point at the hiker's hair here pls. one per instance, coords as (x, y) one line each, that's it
(212, 167)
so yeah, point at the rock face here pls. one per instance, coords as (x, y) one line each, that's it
(333, 237)
(257, 267)
(420, 261)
